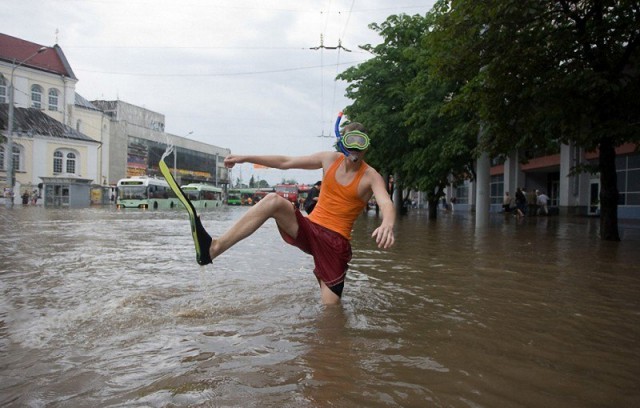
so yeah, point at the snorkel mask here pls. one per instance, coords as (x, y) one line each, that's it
(355, 140)
(352, 140)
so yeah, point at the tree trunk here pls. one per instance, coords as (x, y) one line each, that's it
(608, 192)
(434, 200)
(397, 199)
(433, 207)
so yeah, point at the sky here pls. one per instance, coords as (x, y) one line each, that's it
(239, 74)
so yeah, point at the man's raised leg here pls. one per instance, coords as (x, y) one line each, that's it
(272, 206)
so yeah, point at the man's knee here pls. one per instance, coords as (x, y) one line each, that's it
(274, 200)
(277, 206)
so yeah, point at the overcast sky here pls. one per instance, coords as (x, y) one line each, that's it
(239, 74)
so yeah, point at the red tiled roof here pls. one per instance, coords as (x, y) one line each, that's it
(52, 60)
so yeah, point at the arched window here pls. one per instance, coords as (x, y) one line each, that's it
(4, 92)
(36, 96)
(53, 99)
(71, 163)
(17, 157)
(65, 161)
(58, 157)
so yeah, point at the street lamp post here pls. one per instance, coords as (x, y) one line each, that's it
(216, 169)
(175, 158)
(11, 172)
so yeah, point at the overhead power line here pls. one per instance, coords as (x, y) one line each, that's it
(201, 75)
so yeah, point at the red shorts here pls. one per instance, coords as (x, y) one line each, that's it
(331, 251)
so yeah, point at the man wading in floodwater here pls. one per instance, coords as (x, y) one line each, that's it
(347, 186)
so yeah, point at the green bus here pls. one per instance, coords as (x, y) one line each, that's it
(203, 195)
(234, 197)
(242, 196)
(145, 192)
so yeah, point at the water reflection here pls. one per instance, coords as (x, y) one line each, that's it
(108, 308)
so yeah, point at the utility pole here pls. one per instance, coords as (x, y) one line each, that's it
(216, 169)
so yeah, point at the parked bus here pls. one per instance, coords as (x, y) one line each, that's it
(261, 193)
(241, 196)
(145, 192)
(288, 191)
(203, 195)
(234, 197)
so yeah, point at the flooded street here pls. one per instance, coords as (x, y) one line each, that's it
(108, 308)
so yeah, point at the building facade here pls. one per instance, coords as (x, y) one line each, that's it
(570, 193)
(51, 161)
(101, 141)
(136, 141)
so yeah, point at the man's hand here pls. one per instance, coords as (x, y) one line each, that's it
(231, 160)
(384, 236)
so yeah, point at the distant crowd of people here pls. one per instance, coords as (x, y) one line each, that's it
(532, 202)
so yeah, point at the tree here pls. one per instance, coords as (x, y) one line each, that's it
(252, 182)
(402, 107)
(378, 87)
(442, 140)
(543, 73)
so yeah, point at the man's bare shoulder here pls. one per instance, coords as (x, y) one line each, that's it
(328, 158)
(376, 183)
(372, 173)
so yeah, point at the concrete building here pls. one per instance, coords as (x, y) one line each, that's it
(136, 140)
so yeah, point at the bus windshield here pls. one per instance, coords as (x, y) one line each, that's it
(132, 192)
(192, 193)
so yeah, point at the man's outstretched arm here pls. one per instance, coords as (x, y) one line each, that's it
(310, 162)
(384, 233)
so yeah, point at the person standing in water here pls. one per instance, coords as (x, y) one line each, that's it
(348, 184)
(312, 197)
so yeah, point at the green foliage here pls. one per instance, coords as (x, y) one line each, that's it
(377, 87)
(541, 73)
(532, 74)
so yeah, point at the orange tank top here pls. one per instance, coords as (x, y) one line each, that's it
(339, 206)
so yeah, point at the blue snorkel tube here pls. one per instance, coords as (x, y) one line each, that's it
(337, 130)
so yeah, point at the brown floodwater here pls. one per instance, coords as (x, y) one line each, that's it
(108, 308)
